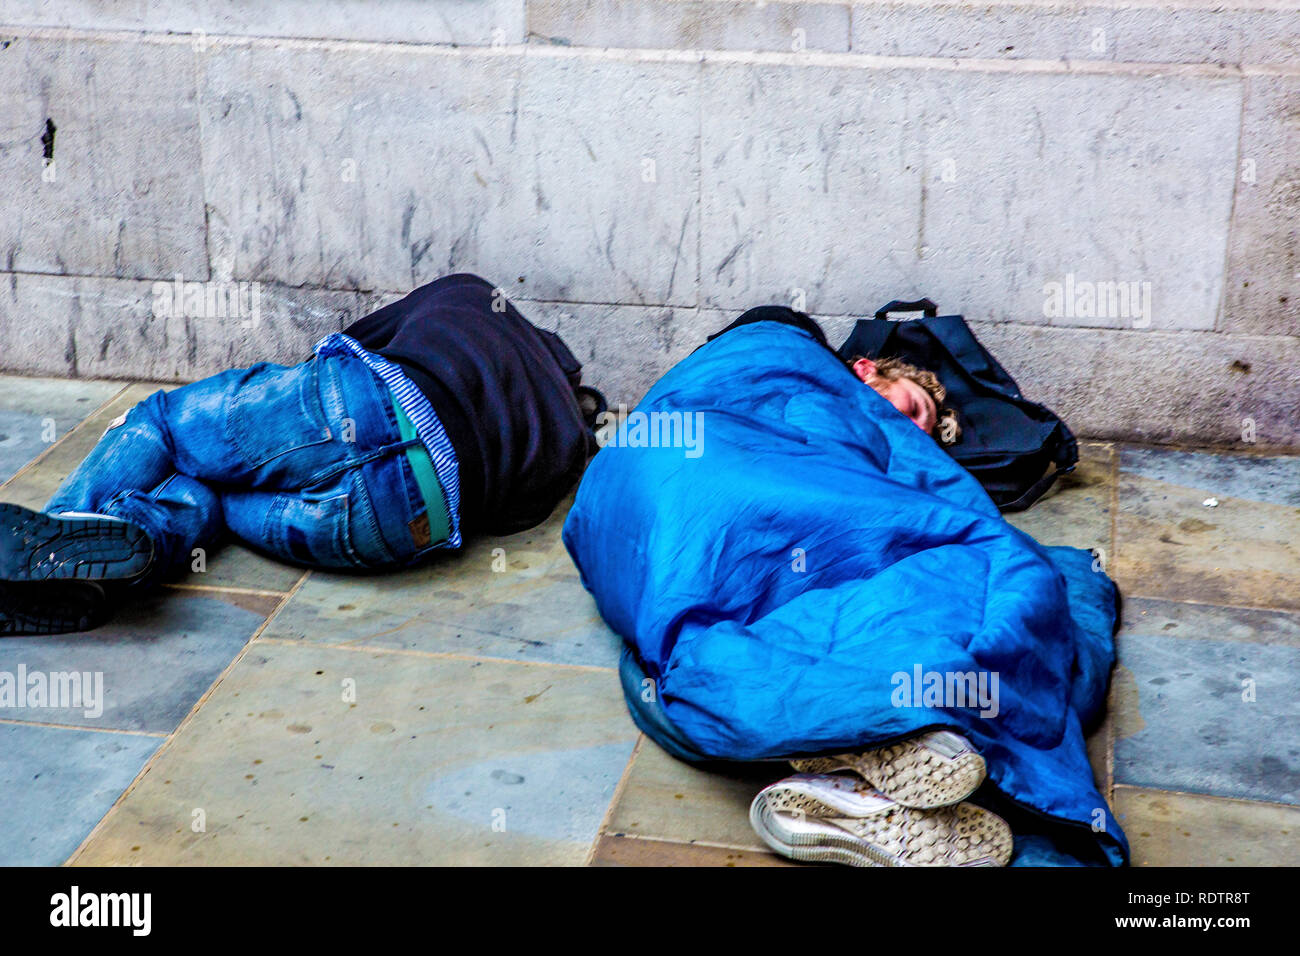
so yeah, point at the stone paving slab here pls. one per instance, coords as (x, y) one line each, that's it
(153, 661)
(1263, 478)
(1244, 550)
(37, 412)
(472, 732)
(230, 565)
(667, 799)
(57, 783)
(1180, 829)
(1153, 617)
(436, 761)
(515, 597)
(1210, 716)
(33, 487)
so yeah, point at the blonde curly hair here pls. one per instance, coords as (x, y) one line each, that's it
(946, 428)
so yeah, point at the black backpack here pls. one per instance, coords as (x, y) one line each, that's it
(1015, 447)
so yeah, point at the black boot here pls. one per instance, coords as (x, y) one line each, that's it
(35, 546)
(51, 607)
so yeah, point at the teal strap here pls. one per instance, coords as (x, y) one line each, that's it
(426, 478)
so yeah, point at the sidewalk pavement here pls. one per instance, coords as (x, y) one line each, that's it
(469, 712)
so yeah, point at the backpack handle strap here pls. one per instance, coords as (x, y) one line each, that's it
(1065, 461)
(1033, 492)
(903, 305)
(591, 403)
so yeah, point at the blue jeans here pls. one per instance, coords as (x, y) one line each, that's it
(303, 462)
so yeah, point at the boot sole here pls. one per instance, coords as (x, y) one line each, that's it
(51, 608)
(38, 547)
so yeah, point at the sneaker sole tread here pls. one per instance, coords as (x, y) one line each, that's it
(960, 835)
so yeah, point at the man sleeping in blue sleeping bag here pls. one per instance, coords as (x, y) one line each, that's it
(801, 573)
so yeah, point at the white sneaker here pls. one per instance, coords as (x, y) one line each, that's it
(833, 819)
(935, 769)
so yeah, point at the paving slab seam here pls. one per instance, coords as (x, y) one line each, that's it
(1275, 609)
(1235, 449)
(443, 655)
(96, 730)
(413, 622)
(185, 722)
(613, 800)
(1113, 450)
(1110, 761)
(255, 592)
(864, 61)
(1242, 801)
(714, 846)
(72, 431)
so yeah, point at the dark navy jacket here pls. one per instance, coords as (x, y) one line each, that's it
(503, 389)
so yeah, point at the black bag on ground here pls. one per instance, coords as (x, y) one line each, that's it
(1015, 447)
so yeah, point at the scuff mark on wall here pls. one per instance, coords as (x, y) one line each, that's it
(47, 139)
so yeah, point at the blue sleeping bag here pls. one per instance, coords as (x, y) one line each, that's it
(797, 569)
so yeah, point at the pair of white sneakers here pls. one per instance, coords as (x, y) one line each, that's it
(899, 805)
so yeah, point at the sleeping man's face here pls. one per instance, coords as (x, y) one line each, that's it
(903, 393)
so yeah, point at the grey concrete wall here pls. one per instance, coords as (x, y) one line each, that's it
(637, 172)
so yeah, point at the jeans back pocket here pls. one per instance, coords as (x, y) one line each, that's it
(311, 530)
(276, 410)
